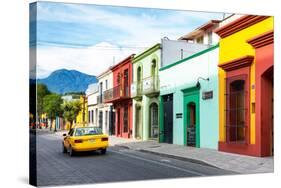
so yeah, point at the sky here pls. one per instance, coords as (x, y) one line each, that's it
(90, 38)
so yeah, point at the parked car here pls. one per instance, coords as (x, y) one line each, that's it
(81, 139)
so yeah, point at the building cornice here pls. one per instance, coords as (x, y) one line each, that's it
(123, 62)
(146, 53)
(237, 63)
(262, 40)
(239, 24)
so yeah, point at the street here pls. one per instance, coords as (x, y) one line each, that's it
(118, 164)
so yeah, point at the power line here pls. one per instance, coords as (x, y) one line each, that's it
(83, 46)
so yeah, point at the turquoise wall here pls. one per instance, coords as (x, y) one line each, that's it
(184, 75)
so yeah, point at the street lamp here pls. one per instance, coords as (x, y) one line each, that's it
(198, 85)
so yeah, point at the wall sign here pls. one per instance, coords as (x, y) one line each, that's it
(179, 115)
(207, 95)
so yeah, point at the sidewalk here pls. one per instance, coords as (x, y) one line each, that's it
(113, 140)
(233, 162)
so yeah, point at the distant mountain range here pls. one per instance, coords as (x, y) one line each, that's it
(64, 81)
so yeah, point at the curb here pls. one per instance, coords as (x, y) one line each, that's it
(173, 157)
(180, 158)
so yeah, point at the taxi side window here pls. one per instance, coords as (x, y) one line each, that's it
(70, 133)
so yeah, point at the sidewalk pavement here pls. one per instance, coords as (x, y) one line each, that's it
(113, 140)
(233, 162)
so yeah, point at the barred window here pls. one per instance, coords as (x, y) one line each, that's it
(236, 109)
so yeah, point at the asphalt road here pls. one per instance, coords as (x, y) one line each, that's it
(119, 164)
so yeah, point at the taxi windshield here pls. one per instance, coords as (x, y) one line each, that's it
(84, 131)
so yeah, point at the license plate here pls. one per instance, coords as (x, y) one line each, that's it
(92, 140)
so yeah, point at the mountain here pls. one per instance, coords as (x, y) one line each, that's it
(63, 80)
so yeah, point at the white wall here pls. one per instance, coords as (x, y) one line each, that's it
(171, 50)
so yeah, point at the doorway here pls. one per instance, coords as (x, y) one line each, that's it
(267, 114)
(191, 118)
(168, 118)
(191, 124)
(118, 122)
(138, 128)
(153, 118)
(101, 119)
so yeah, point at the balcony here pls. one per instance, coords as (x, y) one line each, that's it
(136, 89)
(150, 86)
(117, 93)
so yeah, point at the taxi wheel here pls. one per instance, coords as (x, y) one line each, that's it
(63, 149)
(71, 152)
(103, 151)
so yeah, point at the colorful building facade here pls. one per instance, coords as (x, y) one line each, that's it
(92, 94)
(246, 86)
(189, 100)
(105, 110)
(120, 97)
(145, 94)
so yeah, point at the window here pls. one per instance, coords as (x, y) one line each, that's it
(84, 131)
(199, 40)
(92, 114)
(139, 74)
(89, 116)
(153, 67)
(125, 119)
(126, 83)
(236, 111)
(70, 133)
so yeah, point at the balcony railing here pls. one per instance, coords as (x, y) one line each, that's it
(136, 89)
(116, 93)
(150, 85)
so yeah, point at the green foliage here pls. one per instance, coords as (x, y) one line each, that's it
(52, 105)
(71, 110)
(74, 93)
(41, 92)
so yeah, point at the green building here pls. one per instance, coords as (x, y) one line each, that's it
(189, 100)
(145, 94)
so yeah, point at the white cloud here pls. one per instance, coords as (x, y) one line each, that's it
(91, 60)
(144, 27)
(136, 30)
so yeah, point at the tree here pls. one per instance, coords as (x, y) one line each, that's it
(71, 110)
(41, 91)
(52, 106)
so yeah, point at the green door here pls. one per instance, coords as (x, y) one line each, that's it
(191, 117)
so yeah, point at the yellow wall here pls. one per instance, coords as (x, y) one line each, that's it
(79, 118)
(233, 47)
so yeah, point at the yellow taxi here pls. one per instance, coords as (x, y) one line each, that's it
(81, 139)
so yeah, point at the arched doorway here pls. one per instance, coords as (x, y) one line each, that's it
(138, 119)
(191, 117)
(153, 121)
(267, 130)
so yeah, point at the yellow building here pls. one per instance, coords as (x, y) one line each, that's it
(246, 86)
(82, 117)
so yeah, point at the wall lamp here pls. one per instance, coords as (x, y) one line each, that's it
(198, 83)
